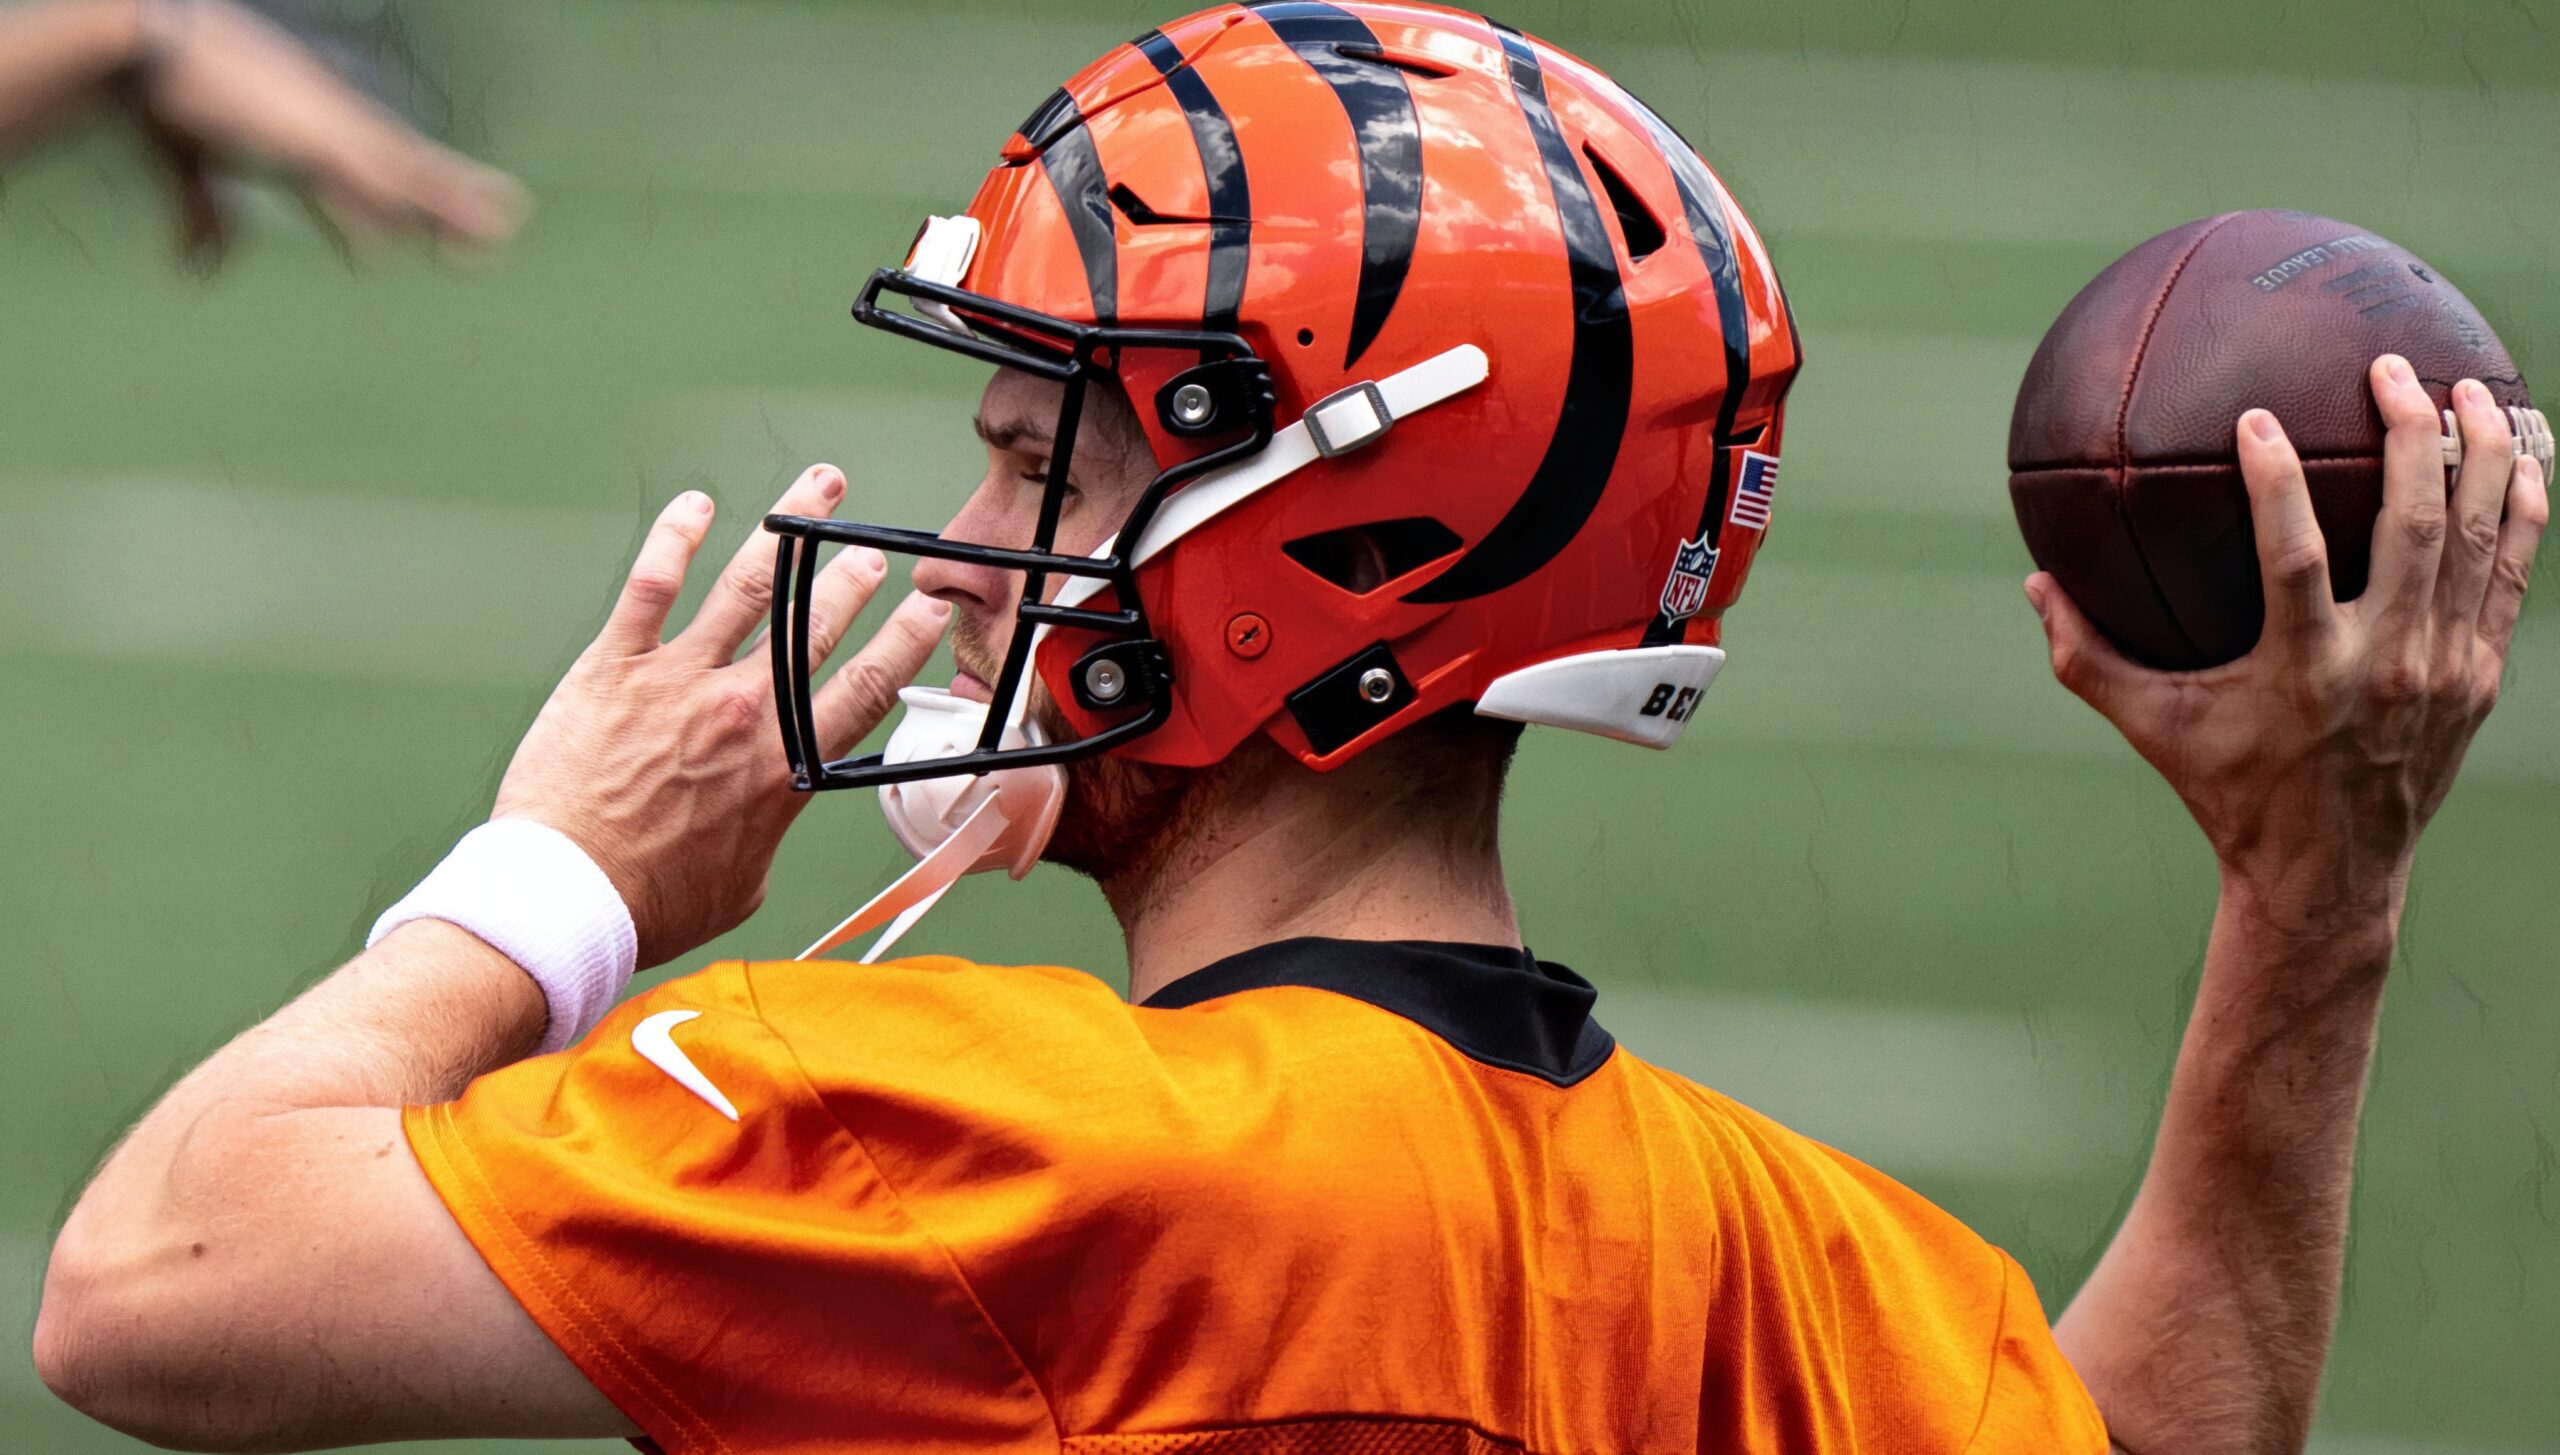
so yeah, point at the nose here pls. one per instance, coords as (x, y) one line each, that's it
(963, 584)
(969, 588)
(981, 597)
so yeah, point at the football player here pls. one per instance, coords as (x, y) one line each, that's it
(1368, 380)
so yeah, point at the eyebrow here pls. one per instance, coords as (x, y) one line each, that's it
(1010, 435)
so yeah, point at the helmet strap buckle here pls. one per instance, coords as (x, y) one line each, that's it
(1348, 418)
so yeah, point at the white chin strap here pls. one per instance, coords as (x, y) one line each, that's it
(954, 826)
(1002, 820)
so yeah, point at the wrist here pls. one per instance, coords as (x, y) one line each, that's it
(2317, 891)
(109, 36)
(2295, 936)
(529, 891)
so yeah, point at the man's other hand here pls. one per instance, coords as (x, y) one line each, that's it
(664, 759)
(217, 86)
(2313, 762)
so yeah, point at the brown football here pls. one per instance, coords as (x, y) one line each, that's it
(2122, 467)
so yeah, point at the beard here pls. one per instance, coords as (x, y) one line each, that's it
(1119, 816)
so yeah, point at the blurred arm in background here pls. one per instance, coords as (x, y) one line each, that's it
(213, 86)
(2312, 764)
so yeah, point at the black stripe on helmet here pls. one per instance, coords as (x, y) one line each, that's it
(1713, 232)
(1230, 202)
(1055, 113)
(1075, 174)
(1593, 423)
(1374, 97)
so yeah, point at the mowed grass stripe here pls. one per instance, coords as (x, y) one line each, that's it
(421, 589)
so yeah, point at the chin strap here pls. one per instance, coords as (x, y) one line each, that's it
(903, 903)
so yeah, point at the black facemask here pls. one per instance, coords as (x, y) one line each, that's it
(1226, 396)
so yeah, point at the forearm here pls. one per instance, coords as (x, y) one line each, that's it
(2206, 1323)
(190, 1188)
(55, 57)
(264, 1222)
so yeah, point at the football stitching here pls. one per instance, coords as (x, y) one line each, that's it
(2121, 471)
(2117, 467)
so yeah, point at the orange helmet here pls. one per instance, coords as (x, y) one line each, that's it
(1388, 284)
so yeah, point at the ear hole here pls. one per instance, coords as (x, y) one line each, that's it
(1362, 558)
(1644, 234)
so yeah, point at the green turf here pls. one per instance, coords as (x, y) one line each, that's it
(288, 559)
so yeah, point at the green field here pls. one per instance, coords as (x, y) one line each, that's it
(289, 558)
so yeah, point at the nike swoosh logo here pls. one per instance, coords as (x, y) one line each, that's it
(653, 1038)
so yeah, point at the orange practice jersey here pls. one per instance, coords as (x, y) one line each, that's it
(1323, 1196)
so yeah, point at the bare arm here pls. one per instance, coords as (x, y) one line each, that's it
(211, 86)
(276, 1173)
(2312, 765)
(2207, 1321)
(261, 1264)
(57, 59)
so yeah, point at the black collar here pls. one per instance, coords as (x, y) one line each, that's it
(1498, 1004)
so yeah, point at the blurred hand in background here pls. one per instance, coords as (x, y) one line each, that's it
(215, 88)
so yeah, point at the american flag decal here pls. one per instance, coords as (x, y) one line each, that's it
(1752, 492)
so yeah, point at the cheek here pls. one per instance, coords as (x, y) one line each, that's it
(1096, 517)
(998, 513)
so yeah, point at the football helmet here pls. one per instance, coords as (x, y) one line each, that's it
(1463, 373)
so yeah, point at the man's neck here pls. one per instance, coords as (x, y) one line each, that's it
(1270, 851)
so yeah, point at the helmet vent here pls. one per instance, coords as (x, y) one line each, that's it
(1361, 558)
(1643, 231)
(1135, 208)
(1405, 61)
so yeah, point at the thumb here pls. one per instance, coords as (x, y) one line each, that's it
(2083, 659)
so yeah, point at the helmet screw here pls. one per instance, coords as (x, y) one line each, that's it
(1377, 685)
(1105, 680)
(1191, 405)
(1248, 635)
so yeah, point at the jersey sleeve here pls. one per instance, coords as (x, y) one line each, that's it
(689, 1221)
(2034, 1402)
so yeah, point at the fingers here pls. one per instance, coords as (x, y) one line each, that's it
(842, 589)
(465, 202)
(403, 183)
(2083, 660)
(2293, 558)
(657, 576)
(2408, 538)
(861, 693)
(2480, 491)
(744, 593)
(203, 228)
(2528, 511)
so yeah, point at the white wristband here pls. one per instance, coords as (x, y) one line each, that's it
(535, 897)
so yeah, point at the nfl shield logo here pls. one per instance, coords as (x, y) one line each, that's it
(1686, 591)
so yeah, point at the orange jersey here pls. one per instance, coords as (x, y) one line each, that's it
(1322, 1196)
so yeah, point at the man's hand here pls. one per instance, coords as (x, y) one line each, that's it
(2313, 762)
(261, 1265)
(664, 760)
(214, 87)
(218, 86)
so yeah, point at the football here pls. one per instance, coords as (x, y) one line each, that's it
(2122, 466)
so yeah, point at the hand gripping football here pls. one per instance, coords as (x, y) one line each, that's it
(2122, 465)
